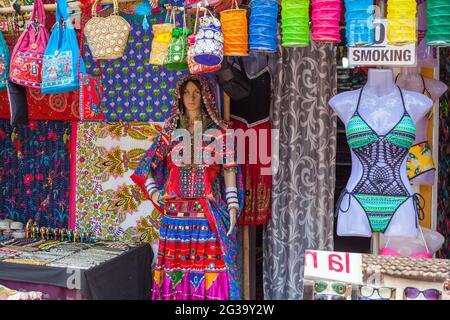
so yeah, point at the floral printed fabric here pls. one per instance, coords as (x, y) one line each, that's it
(63, 106)
(34, 172)
(107, 202)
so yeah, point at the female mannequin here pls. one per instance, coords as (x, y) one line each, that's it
(420, 164)
(200, 200)
(380, 111)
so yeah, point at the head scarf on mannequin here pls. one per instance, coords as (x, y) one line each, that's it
(208, 103)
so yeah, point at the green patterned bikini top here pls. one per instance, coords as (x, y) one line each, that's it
(360, 134)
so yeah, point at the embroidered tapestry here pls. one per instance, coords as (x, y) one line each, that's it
(34, 172)
(107, 202)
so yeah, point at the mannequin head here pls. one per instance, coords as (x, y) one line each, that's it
(191, 97)
(410, 71)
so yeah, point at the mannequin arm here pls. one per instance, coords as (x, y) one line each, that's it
(437, 88)
(230, 182)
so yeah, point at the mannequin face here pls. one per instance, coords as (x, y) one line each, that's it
(192, 97)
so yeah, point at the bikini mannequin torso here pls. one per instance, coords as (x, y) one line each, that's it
(381, 109)
(410, 79)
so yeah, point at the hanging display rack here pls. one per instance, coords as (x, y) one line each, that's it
(52, 7)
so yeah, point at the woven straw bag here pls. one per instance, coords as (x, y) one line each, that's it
(107, 37)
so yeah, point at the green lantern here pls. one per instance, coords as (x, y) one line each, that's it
(438, 23)
(295, 23)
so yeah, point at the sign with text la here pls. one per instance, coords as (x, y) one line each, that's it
(381, 53)
(338, 266)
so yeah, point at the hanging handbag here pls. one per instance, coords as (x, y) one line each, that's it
(177, 55)
(194, 67)
(107, 37)
(232, 81)
(91, 88)
(162, 36)
(208, 48)
(26, 61)
(217, 5)
(60, 63)
(4, 62)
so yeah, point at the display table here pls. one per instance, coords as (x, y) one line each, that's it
(125, 276)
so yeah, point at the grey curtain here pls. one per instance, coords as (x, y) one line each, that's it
(303, 186)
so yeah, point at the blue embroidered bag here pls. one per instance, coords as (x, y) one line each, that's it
(61, 57)
(4, 62)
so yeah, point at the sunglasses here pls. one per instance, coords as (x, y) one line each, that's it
(383, 292)
(429, 294)
(329, 297)
(337, 287)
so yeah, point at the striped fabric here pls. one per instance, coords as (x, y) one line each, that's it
(380, 209)
(360, 134)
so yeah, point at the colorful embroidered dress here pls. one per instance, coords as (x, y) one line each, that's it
(196, 259)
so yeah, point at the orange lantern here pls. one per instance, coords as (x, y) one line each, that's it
(235, 31)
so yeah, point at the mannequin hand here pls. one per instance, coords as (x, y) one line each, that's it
(155, 196)
(233, 212)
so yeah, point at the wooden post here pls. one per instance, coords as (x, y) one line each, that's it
(246, 261)
(245, 231)
(226, 109)
(375, 243)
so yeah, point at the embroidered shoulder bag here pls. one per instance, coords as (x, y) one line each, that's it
(177, 56)
(162, 36)
(194, 67)
(4, 62)
(208, 48)
(26, 61)
(60, 64)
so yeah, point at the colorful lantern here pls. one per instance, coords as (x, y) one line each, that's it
(401, 16)
(359, 22)
(438, 23)
(295, 23)
(325, 16)
(234, 28)
(263, 25)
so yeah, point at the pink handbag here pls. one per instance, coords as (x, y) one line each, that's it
(26, 60)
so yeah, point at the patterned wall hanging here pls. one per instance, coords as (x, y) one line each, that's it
(134, 89)
(63, 106)
(34, 172)
(107, 202)
(4, 105)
